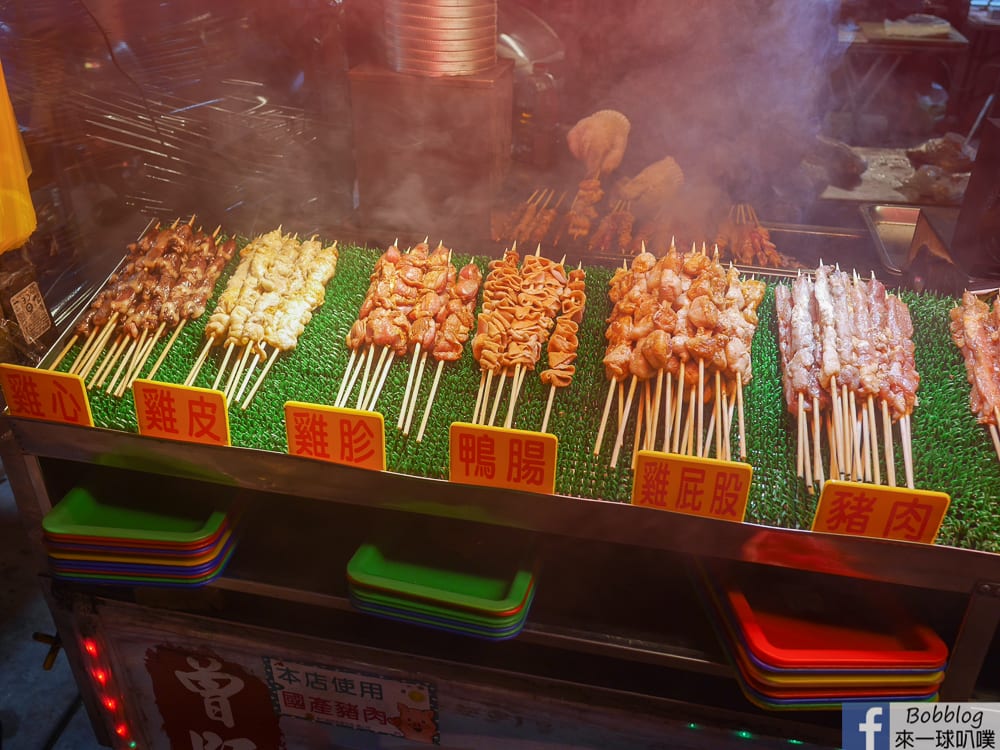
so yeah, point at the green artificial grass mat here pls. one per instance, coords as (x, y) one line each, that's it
(951, 453)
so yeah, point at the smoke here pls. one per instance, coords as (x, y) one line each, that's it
(735, 90)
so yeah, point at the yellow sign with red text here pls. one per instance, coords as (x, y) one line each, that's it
(503, 458)
(880, 512)
(686, 484)
(42, 394)
(341, 436)
(181, 412)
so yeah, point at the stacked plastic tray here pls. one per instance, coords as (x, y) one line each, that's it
(795, 650)
(93, 539)
(456, 596)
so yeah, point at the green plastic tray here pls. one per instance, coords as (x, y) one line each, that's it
(370, 596)
(84, 512)
(165, 580)
(483, 586)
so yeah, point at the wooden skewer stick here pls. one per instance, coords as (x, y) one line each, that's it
(831, 439)
(640, 421)
(604, 417)
(866, 449)
(249, 373)
(260, 380)
(742, 422)
(141, 357)
(857, 467)
(496, 401)
(383, 358)
(657, 401)
(716, 405)
(689, 445)
(996, 439)
(407, 391)
(479, 396)
(121, 366)
(363, 386)
(149, 351)
(198, 363)
(620, 437)
(817, 452)
(515, 387)
(131, 360)
(85, 349)
(430, 400)
(346, 377)
(725, 425)
(65, 350)
(237, 372)
(838, 425)
(481, 418)
(416, 393)
(799, 457)
(99, 375)
(668, 416)
(876, 469)
(890, 458)
(807, 453)
(548, 408)
(222, 367)
(680, 410)
(383, 376)
(166, 350)
(358, 367)
(848, 423)
(712, 432)
(907, 450)
(646, 418)
(621, 403)
(97, 349)
(701, 407)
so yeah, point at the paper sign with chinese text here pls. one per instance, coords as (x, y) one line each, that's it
(358, 700)
(697, 486)
(498, 457)
(881, 512)
(341, 436)
(180, 412)
(42, 394)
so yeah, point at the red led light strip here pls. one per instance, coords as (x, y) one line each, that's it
(102, 677)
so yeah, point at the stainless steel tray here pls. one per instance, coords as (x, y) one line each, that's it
(892, 229)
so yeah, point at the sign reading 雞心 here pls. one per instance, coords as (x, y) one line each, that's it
(180, 412)
(42, 394)
(881, 512)
(342, 436)
(504, 458)
(687, 484)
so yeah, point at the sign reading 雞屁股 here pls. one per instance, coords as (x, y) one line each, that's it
(687, 484)
(46, 395)
(504, 458)
(882, 512)
(181, 412)
(342, 436)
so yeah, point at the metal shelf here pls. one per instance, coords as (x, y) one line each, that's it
(934, 567)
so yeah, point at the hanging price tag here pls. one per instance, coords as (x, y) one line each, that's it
(341, 436)
(697, 486)
(498, 457)
(881, 512)
(42, 394)
(180, 412)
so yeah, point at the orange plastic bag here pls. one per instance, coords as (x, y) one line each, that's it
(17, 214)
